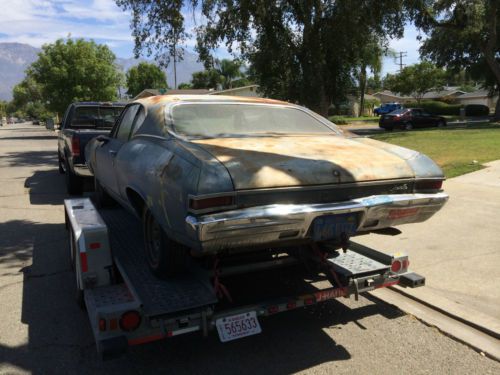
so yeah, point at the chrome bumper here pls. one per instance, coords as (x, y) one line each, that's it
(283, 222)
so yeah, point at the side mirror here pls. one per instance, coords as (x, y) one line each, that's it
(103, 138)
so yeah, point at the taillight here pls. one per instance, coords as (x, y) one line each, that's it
(428, 185)
(396, 266)
(102, 325)
(130, 321)
(212, 202)
(75, 146)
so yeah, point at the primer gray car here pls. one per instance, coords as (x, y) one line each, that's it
(214, 174)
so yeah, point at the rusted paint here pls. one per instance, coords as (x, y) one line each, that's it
(165, 99)
(264, 162)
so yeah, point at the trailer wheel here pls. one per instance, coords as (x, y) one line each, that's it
(166, 258)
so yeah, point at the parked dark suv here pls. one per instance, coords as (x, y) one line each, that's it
(409, 118)
(82, 122)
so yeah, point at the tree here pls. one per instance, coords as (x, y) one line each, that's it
(185, 86)
(28, 99)
(206, 79)
(463, 34)
(75, 70)
(416, 80)
(301, 51)
(145, 76)
(228, 70)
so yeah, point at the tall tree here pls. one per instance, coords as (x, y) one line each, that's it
(229, 70)
(206, 79)
(416, 80)
(75, 70)
(301, 51)
(145, 76)
(463, 34)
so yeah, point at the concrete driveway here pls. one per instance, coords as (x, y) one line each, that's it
(42, 331)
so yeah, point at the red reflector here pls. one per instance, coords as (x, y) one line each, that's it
(396, 266)
(273, 309)
(406, 264)
(102, 324)
(75, 146)
(95, 245)
(130, 321)
(170, 334)
(113, 324)
(308, 301)
(83, 262)
(291, 305)
(429, 185)
(201, 204)
(403, 212)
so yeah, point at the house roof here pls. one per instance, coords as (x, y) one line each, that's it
(233, 90)
(442, 93)
(475, 94)
(391, 94)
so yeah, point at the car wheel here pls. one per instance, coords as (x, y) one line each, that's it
(408, 126)
(61, 168)
(101, 197)
(389, 129)
(165, 257)
(74, 183)
(441, 124)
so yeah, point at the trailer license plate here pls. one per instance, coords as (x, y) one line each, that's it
(238, 326)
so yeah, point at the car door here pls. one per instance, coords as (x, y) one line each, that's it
(427, 119)
(107, 151)
(416, 117)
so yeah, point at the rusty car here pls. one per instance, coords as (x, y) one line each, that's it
(220, 175)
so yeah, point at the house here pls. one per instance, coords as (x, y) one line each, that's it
(479, 97)
(250, 90)
(447, 94)
(387, 96)
(154, 92)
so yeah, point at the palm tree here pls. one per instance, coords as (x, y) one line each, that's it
(229, 70)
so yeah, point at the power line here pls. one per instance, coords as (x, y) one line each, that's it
(400, 63)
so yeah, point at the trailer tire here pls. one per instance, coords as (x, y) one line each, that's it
(165, 258)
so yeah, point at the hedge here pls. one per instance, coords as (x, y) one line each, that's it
(437, 108)
(338, 120)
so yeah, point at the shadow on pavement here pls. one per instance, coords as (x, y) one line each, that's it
(32, 138)
(60, 338)
(30, 158)
(46, 187)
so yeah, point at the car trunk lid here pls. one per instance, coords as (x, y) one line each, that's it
(282, 161)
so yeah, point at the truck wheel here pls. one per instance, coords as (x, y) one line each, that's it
(165, 257)
(74, 183)
(101, 198)
(408, 126)
(61, 168)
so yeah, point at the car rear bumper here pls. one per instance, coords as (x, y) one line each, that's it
(277, 223)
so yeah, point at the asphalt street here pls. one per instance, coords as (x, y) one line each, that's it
(42, 331)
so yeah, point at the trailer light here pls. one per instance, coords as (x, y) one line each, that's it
(396, 266)
(425, 185)
(406, 264)
(291, 305)
(75, 146)
(212, 202)
(130, 321)
(102, 324)
(273, 309)
(94, 245)
(83, 262)
(308, 301)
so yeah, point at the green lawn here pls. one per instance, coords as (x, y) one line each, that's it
(457, 151)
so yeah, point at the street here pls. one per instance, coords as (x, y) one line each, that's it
(42, 331)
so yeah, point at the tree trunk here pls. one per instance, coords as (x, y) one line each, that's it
(362, 88)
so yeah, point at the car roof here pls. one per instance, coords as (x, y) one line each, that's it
(99, 104)
(166, 99)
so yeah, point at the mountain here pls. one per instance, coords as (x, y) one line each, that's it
(16, 57)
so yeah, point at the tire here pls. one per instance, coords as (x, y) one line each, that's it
(389, 129)
(74, 183)
(408, 126)
(165, 257)
(101, 197)
(61, 168)
(441, 124)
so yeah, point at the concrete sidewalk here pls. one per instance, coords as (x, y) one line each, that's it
(458, 250)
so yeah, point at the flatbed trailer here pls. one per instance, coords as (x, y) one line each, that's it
(128, 305)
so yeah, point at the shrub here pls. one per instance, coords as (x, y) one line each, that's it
(436, 108)
(338, 120)
(476, 110)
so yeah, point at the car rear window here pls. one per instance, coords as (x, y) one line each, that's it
(95, 117)
(217, 120)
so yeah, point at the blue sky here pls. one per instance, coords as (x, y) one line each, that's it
(36, 22)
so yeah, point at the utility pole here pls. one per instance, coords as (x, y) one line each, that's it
(401, 55)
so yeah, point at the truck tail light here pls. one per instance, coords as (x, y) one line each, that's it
(212, 202)
(396, 266)
(130, 321)
(426, 185)
(75, 146)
